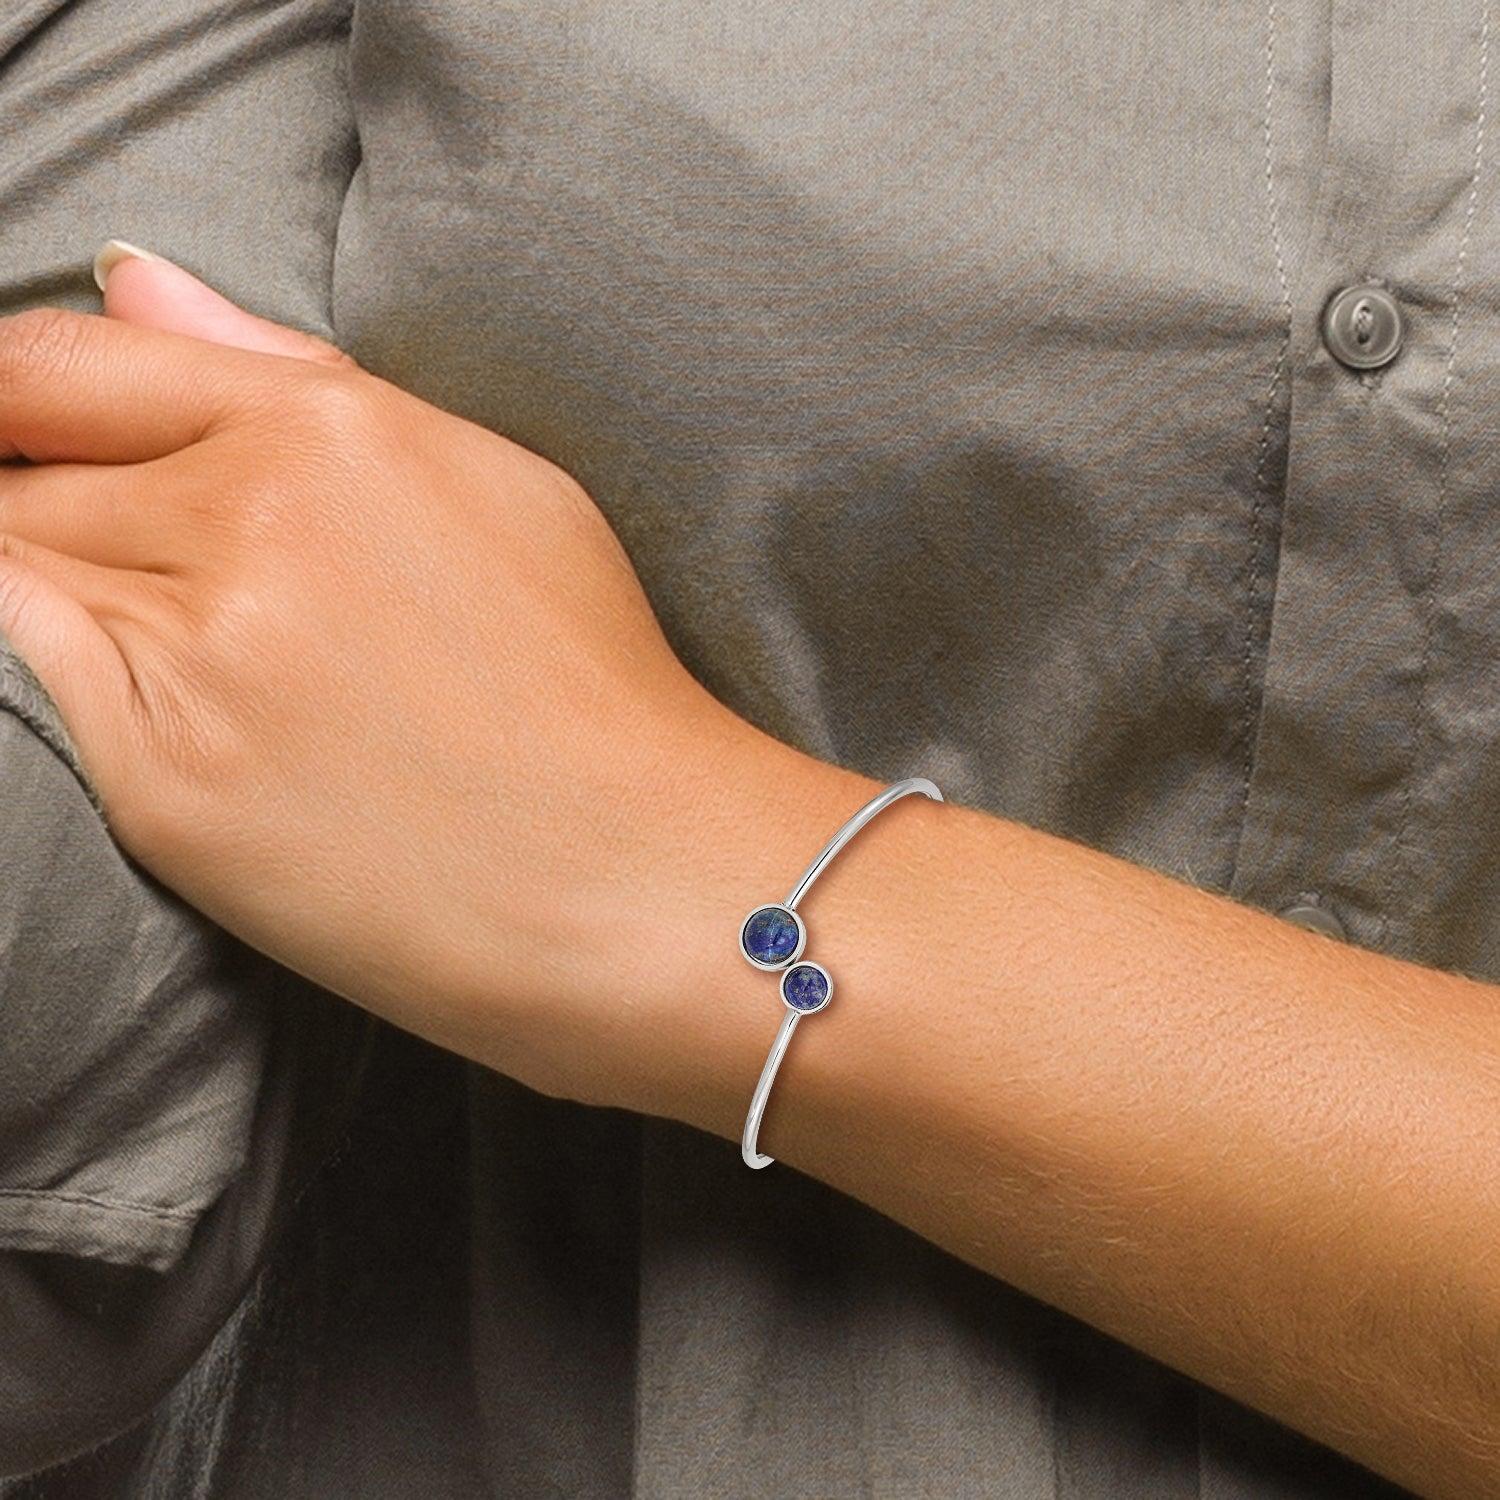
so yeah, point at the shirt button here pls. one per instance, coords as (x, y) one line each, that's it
(1314, 919)
(1363, 327)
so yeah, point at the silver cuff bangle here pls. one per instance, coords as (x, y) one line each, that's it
(773, 937)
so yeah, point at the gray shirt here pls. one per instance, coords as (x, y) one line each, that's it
(953, 375)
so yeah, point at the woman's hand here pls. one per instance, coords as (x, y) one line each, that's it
(373, 687)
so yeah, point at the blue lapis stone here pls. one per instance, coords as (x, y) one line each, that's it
(770, 935)
(804, 987)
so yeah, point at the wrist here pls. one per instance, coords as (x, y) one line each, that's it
(733, 818)
(719, 1025)
(745, 827)
(617, 981)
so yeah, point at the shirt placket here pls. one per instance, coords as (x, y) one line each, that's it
(1340, 820)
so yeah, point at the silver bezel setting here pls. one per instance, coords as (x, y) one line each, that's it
(790, 1014)
(806, 963)
(796, 953)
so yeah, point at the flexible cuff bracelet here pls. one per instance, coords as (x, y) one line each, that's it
(773, 937)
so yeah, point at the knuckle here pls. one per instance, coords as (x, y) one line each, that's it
(337, 400)
(331, 423)
(339, 439)
(40, 342)
(13, 549)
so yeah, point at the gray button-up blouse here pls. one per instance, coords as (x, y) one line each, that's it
(956, 375)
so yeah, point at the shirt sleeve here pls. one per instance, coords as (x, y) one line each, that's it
(130, 1053)
(157, 1108)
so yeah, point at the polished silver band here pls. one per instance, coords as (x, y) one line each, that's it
(793, 959)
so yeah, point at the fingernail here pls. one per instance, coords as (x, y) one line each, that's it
(113, 252)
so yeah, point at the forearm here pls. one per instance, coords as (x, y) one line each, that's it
(1266, 1158)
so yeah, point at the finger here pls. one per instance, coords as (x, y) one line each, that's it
(100, 514)
(142, 288)
(99, 591)
(78, 386)
(45, 615)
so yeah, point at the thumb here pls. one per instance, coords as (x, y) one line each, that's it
(140, 287)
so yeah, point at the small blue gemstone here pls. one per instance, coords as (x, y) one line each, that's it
(771, 935)
(804, 987)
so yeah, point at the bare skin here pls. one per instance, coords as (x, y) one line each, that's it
(379, 691)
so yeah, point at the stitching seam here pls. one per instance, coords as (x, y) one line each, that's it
(82, 1200)
(1265, 431)
(1402, 858)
